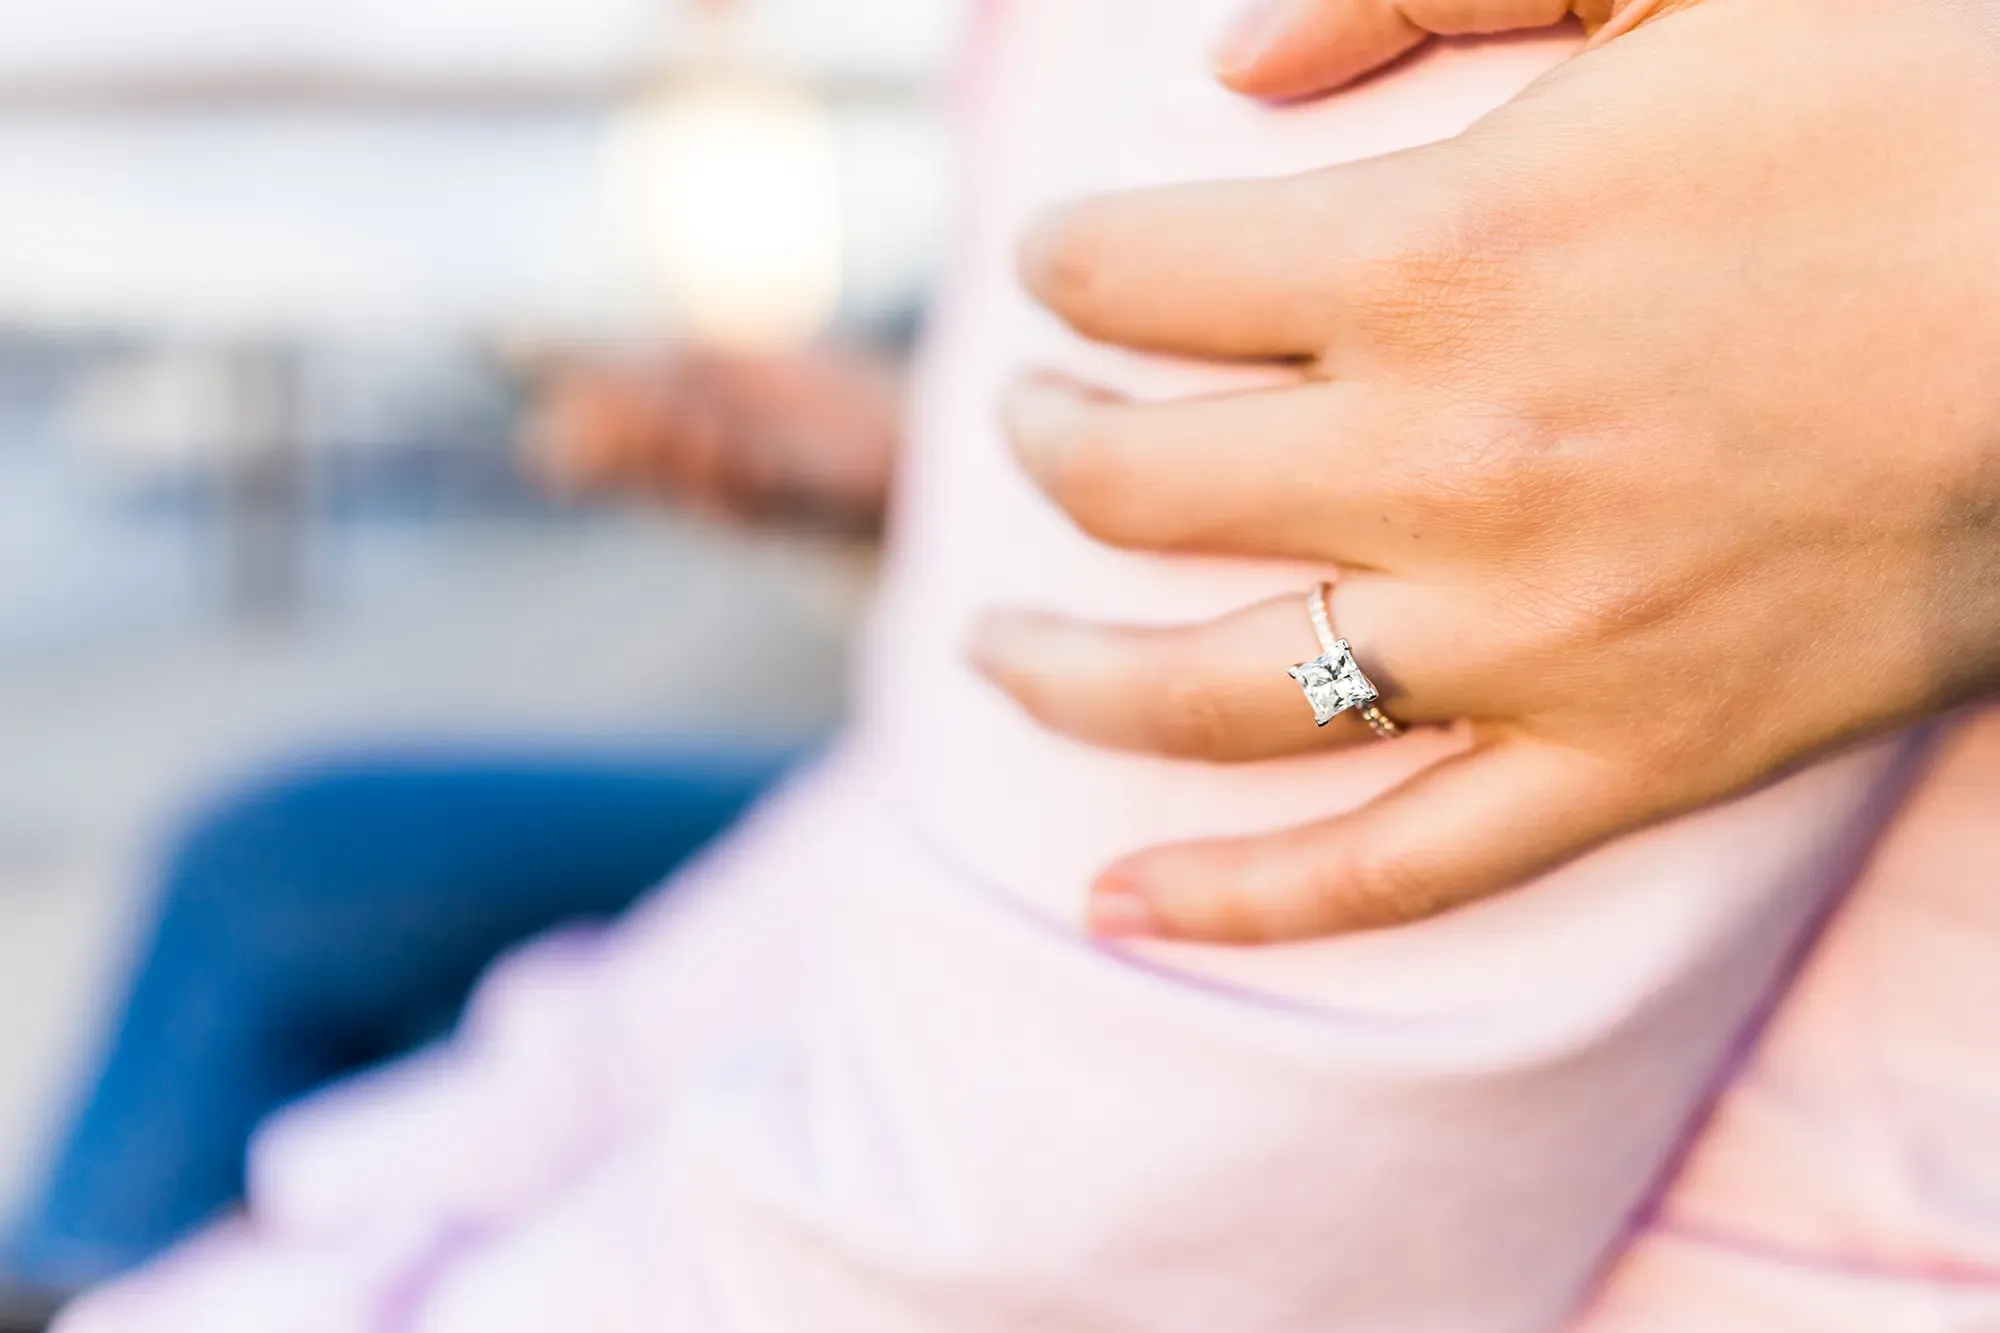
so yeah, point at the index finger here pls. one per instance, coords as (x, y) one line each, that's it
(1239, 269)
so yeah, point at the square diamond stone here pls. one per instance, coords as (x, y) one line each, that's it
(1333, 683)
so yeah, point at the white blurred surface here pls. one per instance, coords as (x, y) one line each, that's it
(453, 39)
(434, 163)
(729, 193)
(309, 220)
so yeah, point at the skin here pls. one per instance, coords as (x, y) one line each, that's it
(1298, 48)
(808, 436)
(1655, 423)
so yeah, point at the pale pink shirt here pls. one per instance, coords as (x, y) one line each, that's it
(858, 1071)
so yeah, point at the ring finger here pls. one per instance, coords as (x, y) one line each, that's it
(1219, 690)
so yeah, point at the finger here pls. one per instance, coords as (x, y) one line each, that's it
(571, 440)
(1354, 474)
(1239, 269)
(626, 426)
(1219, 690)
(1462, 830)
(1296, 48)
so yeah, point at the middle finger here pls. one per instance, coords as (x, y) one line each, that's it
(1347, 473)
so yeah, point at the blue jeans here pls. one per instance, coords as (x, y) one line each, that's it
(326, 920)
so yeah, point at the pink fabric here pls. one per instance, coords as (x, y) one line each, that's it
(1849, 1181)
(857, 1071)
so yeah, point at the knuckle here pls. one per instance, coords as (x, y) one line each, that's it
(1490, 476)
(1502, 458)
(1596, 603)
(1365, 885)
(1430, 278)
(1193, 718)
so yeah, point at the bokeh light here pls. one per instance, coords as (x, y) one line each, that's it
(726, 194)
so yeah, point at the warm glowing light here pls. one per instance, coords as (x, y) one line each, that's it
(729, 192)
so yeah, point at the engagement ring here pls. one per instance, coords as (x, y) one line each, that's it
(1333, 681)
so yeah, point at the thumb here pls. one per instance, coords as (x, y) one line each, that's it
(1298, 48)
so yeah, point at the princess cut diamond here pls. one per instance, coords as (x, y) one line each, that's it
(1333, 683)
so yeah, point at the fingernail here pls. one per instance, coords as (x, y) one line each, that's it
(1249, 35)
(1009, 641)
(1035, 413)
(1117, 910)
(986, 643)
(1036, 401)
(1040, 243)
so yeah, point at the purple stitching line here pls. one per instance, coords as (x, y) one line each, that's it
(404, 1301)
(406, 1297)
(1958, 1277)
(1646, 1213)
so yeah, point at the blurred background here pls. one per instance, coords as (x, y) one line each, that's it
(276, 280)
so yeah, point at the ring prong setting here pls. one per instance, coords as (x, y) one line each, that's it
(1333, 683)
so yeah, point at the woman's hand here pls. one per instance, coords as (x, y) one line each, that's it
(810, 436)
(1295, 48)
(1656, 423)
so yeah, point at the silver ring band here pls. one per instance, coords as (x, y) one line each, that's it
(1334, 682)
